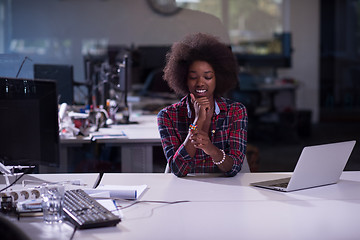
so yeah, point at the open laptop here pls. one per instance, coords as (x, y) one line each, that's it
(317, 166)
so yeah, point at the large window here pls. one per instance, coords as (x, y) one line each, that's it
(253, 25)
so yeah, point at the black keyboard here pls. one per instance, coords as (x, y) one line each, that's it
(85, 212)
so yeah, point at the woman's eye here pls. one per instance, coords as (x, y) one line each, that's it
(208, 77)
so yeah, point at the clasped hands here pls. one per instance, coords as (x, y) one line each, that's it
(203, 114)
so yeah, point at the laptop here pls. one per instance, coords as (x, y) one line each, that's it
(318, 165)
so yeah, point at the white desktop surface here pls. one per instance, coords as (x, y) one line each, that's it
(33, 180)
(225, 208)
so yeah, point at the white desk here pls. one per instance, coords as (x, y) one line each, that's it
(136, 146)
(226, 208)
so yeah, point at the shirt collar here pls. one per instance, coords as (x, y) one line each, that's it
(217, 108)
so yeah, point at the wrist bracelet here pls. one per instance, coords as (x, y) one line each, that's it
(222, 160)
(192, 127)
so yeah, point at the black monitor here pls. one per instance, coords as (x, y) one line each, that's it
(29, 127)
(64, 76)
(108, 74)
(152, 60)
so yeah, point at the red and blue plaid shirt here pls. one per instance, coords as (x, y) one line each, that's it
(228, 132)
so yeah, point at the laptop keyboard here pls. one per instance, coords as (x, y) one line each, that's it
(281, 185)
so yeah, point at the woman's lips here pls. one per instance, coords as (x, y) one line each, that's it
(200, 92)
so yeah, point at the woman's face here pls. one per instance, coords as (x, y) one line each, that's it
(201, 79)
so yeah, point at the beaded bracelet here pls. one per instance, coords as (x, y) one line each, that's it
(192, 127)
(222, 160)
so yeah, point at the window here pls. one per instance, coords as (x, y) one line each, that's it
(253, 25)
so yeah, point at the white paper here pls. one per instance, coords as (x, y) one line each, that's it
(119, 191)
(96, 136)
(107, 203)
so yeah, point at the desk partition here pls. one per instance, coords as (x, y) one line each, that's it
(136, 144)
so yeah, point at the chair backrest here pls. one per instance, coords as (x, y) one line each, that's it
(10, 231)
(245, 167)
(167, 168)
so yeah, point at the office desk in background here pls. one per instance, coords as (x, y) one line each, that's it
(223, 208)
(136, 145)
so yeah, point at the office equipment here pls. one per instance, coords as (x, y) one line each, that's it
(29, 122)
(109, 78)
(31, 207)
(152, 60)
(317, 166)
(108, 71)
(63, 75)
(137, 144)
(13, 171)
(85, 212)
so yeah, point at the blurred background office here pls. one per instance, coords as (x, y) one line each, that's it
(299, 60)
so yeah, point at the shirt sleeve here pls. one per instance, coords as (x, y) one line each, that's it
(237, 138)
(177, 157)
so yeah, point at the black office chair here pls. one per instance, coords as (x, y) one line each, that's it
(10, 231)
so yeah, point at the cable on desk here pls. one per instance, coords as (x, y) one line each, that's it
(72, 182)
(73, 233)
(17, 179)
(149, 201)
(140, 201)
(98, 180)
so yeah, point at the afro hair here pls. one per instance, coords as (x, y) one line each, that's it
(200, 47)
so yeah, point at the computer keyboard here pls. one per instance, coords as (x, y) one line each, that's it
(282, 185)
(85, 212)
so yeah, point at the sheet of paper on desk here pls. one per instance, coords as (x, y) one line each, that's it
(98, 136)
(107, 203)
(119, 191)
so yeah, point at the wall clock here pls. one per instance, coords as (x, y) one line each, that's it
(166, 7)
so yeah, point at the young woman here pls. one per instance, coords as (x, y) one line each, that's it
(204, 132)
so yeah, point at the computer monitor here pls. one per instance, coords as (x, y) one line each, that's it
(108, 74)
(29, 128)
(152, 60)
(64, 76)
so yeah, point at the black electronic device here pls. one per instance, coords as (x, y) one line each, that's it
(109, 75)
(29, 125)
(110, 78)
(85, 212)
(152, 60)
(63, 75)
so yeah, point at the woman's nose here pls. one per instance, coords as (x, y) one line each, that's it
(200, 81)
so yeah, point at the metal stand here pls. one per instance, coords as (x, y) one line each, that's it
(10, 171)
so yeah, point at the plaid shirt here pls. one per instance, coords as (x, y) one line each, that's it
(228, 132)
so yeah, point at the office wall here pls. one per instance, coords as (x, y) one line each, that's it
(67, 26)
(120, 22)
